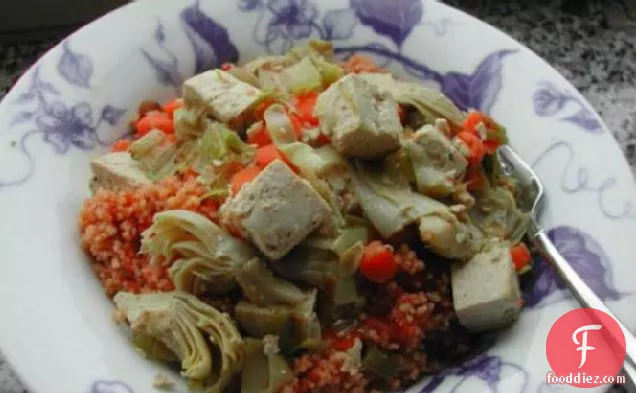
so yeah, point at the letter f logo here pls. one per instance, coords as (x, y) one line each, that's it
(583, 346)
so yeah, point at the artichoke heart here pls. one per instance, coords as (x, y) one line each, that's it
(313, 265)
(203, 255)
(497, 215)
(194, 331)
(297, 325)
(449, 237)
(389, 203)
(432, 104)
(437, 163)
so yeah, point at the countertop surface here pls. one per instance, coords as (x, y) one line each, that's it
(591, 42)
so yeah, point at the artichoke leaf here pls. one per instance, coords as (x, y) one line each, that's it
(431, 103)
(260, 321)
(497, 215)
(388, 203)
(381, 363)
(437, 163)
(449, 237)
(198, 249)
(261, 287)
(192, 330)
(263, 373)
(297, 326)
(155, 154)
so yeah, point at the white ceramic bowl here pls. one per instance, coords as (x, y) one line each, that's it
(56, 324)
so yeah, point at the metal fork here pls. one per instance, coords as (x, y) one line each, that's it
(534, 201)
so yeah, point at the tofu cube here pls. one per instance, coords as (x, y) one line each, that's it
(276, 210)
(116, 171)
(221, 94)
(486, 290)
(361, 120)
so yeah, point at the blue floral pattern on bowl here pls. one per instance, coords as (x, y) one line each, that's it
(586, 257)
(484, 367)
(283, 22)
(209, 40)
(549, 101)
(58, 123)
(106, 386)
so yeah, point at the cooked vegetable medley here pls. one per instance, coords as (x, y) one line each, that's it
(298, 225)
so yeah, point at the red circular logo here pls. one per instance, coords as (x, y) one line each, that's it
(585, 347)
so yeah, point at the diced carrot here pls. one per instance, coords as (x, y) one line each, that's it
(259, 137)
(378, 263)
(475, 178)
(266, 154)
(160, 121)
(121, 145)
(473, 118)
(243, 177)
(305, 106)
(342, 344)
(475, 146)
(210, 206)
(521, 257)
(323, 139)
(491, 146)
(172, 106)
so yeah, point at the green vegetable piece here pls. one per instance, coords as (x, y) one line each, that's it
(261, 287)
(302, 77)
(155, 154)
(216, 154)
(449, 237)
(437, 163)
(387, 202)
(205, 340)
(153, 348)
(260, 321)
(315, 266)
(432, 104)
(204, 255)
(189, 124)
(263, 373)
(497, 215)
(380, 363)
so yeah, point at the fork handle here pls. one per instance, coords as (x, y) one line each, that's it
(584, 294)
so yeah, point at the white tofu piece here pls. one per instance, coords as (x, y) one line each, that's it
(384, 81)
(361, 120)
(276, 211)
(486, 292)
(437, 163)
(116, 171)
(221, 94)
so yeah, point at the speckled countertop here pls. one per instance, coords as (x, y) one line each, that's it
(591, 42)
